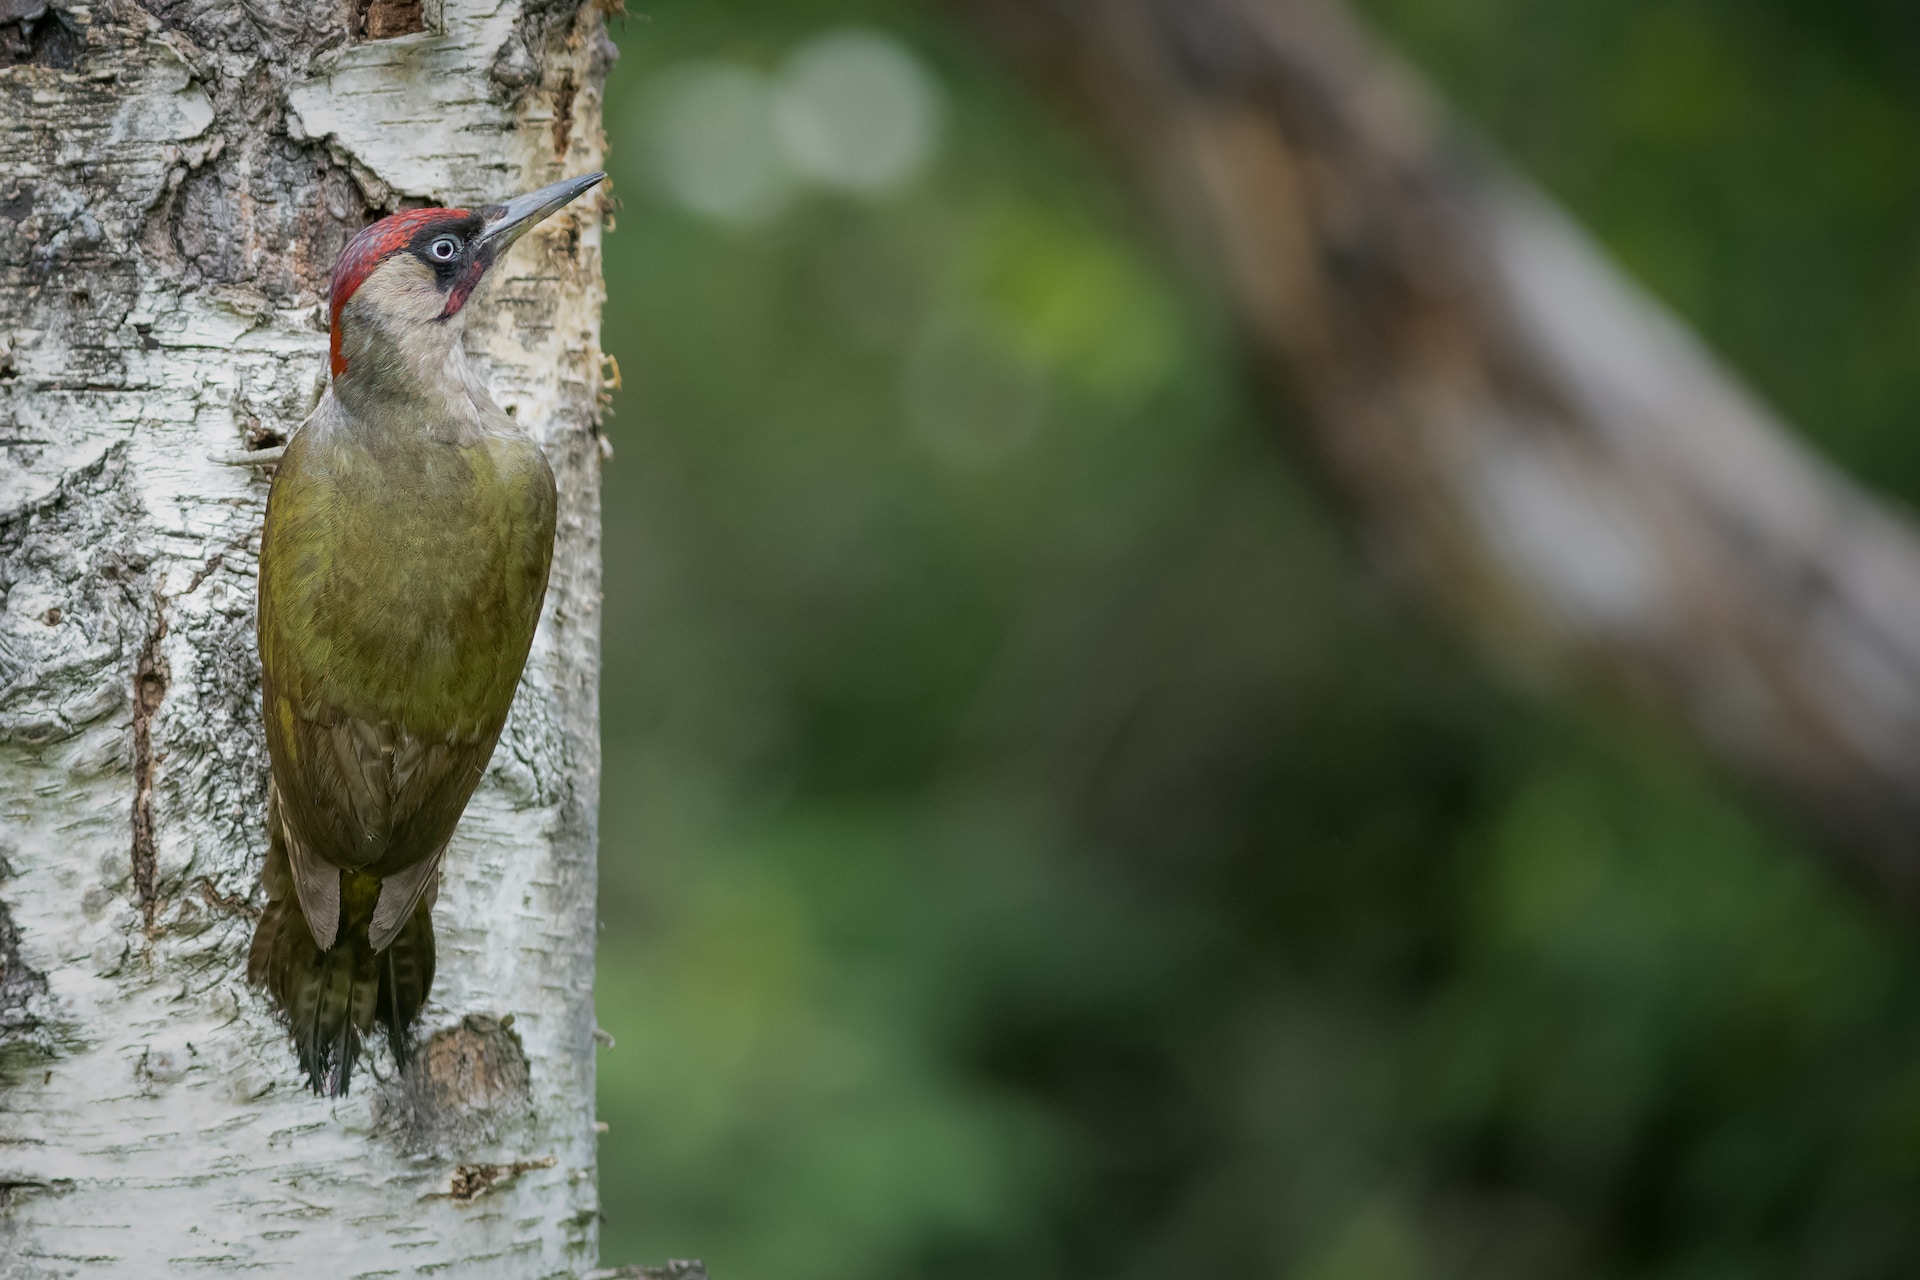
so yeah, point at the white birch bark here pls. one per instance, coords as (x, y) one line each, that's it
(176, 177)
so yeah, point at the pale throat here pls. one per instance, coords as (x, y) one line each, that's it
(399, 346)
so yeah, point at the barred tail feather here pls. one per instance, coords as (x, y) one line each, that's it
(406, 976)
(331, 1000)
(325, 998)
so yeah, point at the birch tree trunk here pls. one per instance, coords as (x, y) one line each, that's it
(176, 178)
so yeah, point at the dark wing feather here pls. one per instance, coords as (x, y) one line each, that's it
(374, 797)
(399, 893)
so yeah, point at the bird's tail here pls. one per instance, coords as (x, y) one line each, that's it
(331, 1000)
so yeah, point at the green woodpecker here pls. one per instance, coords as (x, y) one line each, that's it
(408, 536)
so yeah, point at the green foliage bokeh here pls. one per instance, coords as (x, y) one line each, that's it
(1052, 858)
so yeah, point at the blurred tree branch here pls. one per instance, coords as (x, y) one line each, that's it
(1518, 432)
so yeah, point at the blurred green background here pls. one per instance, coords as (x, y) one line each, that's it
(1031, 849)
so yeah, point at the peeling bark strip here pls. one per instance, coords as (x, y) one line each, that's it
(1519, 432)
(176, 179)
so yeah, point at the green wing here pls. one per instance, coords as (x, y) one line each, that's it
(400, 584)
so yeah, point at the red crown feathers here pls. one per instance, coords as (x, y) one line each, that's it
(368, 250)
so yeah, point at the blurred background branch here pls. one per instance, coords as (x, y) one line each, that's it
(1516, 430)
(1031, 849)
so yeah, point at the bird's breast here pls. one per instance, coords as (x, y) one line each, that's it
(401, 579)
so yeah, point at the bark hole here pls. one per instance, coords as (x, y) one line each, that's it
(385, 19)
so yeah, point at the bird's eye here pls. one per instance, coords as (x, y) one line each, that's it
(444, 249)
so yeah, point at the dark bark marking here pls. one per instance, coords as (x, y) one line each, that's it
(75, 542)
(385, 19)
(30, 33)
(48, 247)
(230, 904)
(20, 984)
(471, 1180)
(208, 569)
(539, 30)
(287, 33)
(563, 115)
(460, 1089)
(267, 214)
(150, 682)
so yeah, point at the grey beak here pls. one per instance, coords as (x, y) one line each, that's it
(508, 222)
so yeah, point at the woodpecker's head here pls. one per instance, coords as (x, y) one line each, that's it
(399, 288)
